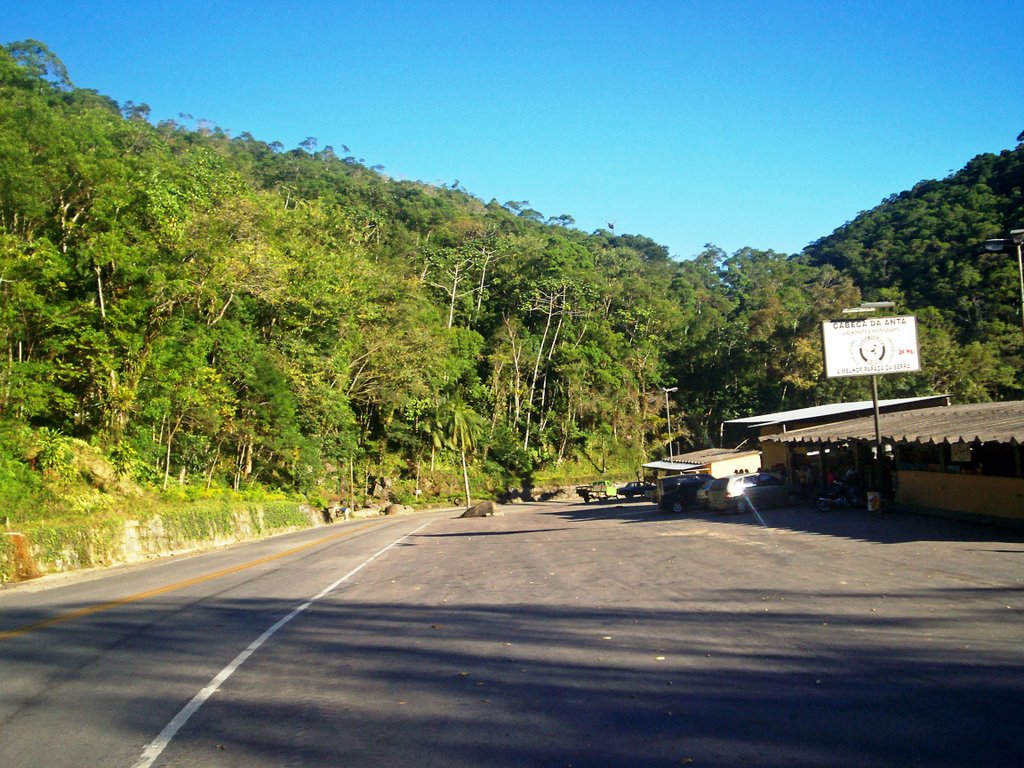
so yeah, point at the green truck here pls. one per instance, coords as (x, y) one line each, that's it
(601, 490)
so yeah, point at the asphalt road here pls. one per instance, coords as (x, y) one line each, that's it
(555, 635)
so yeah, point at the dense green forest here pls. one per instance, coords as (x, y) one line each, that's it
(217, 312)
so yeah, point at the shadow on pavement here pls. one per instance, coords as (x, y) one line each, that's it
(890, 527)
(490, 686)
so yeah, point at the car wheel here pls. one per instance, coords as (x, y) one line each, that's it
(743, 506)
(677, 506)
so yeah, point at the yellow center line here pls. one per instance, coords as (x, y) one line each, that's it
(100, 607)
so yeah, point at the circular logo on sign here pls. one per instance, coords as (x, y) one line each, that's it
(872, 349)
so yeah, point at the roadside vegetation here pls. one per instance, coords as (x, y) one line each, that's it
(211, 316)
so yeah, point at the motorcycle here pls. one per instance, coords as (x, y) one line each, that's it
(840, 495)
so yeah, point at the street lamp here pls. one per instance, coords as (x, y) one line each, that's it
(1008, 245)
(668, 418)
(869, 306)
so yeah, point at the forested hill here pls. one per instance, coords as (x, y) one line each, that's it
(216, 311)
(923, 248)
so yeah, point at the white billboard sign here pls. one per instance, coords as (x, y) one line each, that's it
(869, 346)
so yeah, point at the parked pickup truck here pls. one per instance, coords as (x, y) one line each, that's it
(601, 490)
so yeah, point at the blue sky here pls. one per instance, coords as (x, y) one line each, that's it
(763, 124)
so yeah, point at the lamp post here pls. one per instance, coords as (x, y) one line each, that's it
(1008, 245)
(872, 306)
(668, 418)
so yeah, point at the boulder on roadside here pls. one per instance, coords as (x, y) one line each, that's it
(397, 509)
(481, 509)
(371, 510)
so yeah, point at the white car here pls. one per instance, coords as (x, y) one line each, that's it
(702, 494)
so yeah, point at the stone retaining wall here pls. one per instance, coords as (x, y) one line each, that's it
(54, 549)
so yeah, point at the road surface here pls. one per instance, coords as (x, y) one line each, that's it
(558, 634)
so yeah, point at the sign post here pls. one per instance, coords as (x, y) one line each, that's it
(870, 347)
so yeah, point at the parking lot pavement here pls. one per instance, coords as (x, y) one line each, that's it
(841, 638)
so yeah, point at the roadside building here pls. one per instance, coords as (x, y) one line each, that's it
(958, 460)
(717, 462)
(750, 429)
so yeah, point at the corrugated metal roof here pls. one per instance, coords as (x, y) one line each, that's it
(977, 422)
(678, 466)
(708, 455)
(701, 458)
(830, 410)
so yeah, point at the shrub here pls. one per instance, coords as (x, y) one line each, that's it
(7, 563)
(54, 456)
(283, 514)
(20, 487)
(203, 521)
(124, 459)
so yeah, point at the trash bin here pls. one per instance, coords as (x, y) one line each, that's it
(874, 501)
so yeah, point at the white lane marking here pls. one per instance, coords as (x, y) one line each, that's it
(152, 750)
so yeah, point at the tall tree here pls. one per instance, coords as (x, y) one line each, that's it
(463, 426)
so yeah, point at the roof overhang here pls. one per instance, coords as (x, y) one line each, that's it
(837, 411)
(973, 423)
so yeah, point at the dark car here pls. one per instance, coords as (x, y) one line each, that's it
(749, 492)
(629, 490)
(679, 493)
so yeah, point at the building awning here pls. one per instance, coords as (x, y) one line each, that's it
(973, 423)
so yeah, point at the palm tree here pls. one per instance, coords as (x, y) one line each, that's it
(463, 426)
(431, 431)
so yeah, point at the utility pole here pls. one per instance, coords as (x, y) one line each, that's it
(668, 419)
